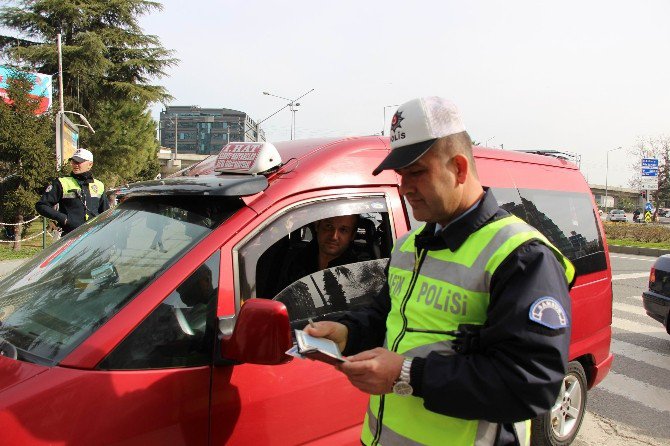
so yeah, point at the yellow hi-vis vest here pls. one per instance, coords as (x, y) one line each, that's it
(445, 290)
(70, 185)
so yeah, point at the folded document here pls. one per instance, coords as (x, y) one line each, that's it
(318, 349)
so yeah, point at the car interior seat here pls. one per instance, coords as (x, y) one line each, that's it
(366, 242)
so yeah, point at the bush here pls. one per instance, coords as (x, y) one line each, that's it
(646, 233)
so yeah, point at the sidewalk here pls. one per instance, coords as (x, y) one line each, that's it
(7, 266)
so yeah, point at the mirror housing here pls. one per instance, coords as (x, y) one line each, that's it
(262, 334)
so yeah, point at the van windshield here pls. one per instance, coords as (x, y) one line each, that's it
(56, 300)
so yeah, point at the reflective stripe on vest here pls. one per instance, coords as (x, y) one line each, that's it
(439, 290)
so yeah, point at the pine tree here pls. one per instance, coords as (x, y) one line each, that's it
(124, 144)
(27, 154)
(106, 56)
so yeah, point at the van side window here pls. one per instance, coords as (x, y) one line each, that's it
(567, 219)
(179, 332)
(287, 248)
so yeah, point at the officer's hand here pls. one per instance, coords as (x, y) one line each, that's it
(373, 371)
(336, 332)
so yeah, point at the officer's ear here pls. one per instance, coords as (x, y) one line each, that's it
(462, 167)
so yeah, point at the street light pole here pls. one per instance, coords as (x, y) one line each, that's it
(607, 168)
(292, 104)
(486, 144)
(384, 122)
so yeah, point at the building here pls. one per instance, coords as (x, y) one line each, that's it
(204, 131)
(618, 197)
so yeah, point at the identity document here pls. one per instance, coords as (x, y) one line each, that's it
(318, 349)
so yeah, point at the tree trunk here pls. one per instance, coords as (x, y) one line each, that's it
(18, 229)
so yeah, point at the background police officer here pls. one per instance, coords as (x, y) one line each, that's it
(469, 338)
(79, 196)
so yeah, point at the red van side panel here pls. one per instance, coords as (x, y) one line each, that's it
(591, 293)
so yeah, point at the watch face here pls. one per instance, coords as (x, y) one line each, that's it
(402, 388)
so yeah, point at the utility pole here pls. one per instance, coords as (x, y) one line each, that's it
(176, 135)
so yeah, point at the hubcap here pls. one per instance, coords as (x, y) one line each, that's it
(566, 412)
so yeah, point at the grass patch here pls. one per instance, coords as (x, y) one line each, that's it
(631, 242)
(28, 248)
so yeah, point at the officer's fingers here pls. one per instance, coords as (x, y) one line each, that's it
(319, 329)
(359, 368)
(366, 355)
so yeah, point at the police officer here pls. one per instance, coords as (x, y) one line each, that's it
(79, 196)
(469, 338)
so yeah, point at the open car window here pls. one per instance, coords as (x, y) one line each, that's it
(264, 255)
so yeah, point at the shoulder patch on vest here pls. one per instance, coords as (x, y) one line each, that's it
(94, 188)
(48, 189)
(549, 312)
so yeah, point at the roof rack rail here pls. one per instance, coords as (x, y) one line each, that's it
(575, 158)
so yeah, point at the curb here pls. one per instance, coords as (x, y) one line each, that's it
(652, 252)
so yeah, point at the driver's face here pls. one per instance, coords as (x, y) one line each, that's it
(335, 234)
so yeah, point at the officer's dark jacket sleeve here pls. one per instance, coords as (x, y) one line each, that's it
(521, 365)
(367, 326)
(51, 196)
(104, 204)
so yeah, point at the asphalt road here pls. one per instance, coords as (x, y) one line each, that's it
(632, 405)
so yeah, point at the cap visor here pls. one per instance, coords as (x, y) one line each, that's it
(77, 159)
(403, 156)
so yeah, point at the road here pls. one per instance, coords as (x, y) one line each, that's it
(632, 405)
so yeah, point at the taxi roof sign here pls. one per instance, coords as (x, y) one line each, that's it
(247, 157)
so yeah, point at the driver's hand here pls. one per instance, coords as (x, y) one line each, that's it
(336, 332)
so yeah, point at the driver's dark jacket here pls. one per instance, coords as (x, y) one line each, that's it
(71, 209)
(304, 260)
(519, 369)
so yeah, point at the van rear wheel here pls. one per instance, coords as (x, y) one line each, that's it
(560, 425)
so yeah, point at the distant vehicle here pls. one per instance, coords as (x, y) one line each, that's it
(616, 215)
(656, 300)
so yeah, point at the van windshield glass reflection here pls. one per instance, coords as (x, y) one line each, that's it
(64, 294)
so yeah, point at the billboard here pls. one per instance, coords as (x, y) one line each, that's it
(42, 87)
(67, 139)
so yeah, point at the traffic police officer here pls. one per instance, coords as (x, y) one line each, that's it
(469, 338)
(79, 196)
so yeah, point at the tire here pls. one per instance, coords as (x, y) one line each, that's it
(560, 425)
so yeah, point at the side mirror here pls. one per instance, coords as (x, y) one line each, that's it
(262, 334)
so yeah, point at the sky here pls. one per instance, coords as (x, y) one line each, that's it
(584, 77)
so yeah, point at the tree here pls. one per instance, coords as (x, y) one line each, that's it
(653, 147)
(27, 155)
(105, 53)
(107, 62)
(125, 143)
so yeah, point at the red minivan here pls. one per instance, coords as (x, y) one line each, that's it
(159, 322)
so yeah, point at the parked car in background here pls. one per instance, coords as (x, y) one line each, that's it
(616, 215)
(656, 300)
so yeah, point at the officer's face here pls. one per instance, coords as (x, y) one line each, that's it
(431, 187)
(82, 167)
(335, 234)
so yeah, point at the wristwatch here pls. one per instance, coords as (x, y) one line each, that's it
(402, 386)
